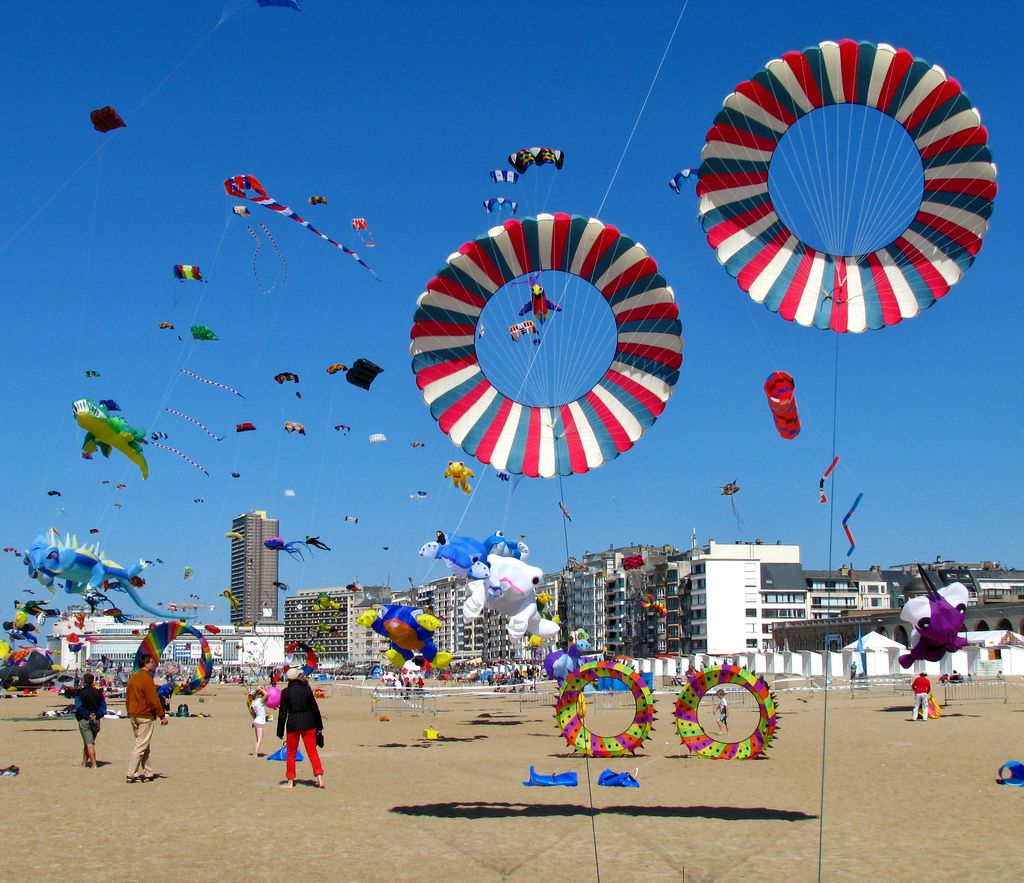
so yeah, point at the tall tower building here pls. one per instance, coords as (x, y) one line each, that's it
(254, 569)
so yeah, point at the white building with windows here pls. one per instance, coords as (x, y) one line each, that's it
(730, 610)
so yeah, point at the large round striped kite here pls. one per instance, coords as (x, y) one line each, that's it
(558, 438)
(847, 292)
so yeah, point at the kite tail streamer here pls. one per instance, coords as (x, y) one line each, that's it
(846, 518)
(238, 187)
(212, 382)
(184, 457)
(825, 475)
(193, 420)
(736, 512)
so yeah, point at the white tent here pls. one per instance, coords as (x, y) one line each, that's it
(995, 638)
(876, 641)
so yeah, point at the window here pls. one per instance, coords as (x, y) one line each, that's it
(751, 628)
(751, 643)
(751, 612)
(783, 597)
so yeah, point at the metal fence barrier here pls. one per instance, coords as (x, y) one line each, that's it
(398, 700)
(992, 690)
(861, 688)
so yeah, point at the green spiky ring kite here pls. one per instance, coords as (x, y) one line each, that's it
(692, 734)
(570, 711)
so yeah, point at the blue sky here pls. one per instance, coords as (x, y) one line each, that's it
(396, 112)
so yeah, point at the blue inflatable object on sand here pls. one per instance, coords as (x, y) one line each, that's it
(617, 780)
(567, 779)
(282, 754)
(1011, 773)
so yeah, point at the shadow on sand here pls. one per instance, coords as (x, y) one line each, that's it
(483, 810)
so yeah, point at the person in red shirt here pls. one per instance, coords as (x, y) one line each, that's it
(921, 687)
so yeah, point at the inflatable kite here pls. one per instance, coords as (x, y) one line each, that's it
(459, 472)
(201, 332)
(276, 544)
(521, 329)
(571, 710)
(363, 230)
(317, 543)
(183, 272)
(104, 432)
(779, 388)
(362, 373)
(679, 177)
(241, 211)
(239, 186)
(32, 670)
(232, 599)
(558, 438)
(83, 569)
(510, 588)
(410, 631)
(504, 175)
(692, 735)
(499, 205)
(245, 427)
(325, 602)
(286, 377)
(318, 200)
(521, 160)
(334, 369)
(461, 554)
(156, 642)
(377, 438)
(106, 119)
(283, 4)
(849, 292)
(291, 426)
(937, 619)
(311, 661)
(559, 664)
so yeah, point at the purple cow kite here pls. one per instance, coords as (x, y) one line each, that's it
(938, 619)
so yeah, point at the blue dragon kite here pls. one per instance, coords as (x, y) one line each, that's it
(84, 569)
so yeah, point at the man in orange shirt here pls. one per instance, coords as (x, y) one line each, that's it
(144, 707)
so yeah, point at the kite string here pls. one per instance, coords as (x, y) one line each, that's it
(829, 588)
(643, 107)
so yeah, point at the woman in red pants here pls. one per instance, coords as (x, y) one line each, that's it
(299, 716)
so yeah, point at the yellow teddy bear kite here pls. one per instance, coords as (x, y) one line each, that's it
(458, 472)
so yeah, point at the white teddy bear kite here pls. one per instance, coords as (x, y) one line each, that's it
(510, 588)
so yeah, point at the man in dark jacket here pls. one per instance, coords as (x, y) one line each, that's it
(299, 716)
(90, 707)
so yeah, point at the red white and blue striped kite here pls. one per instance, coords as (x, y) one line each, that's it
(239, 186)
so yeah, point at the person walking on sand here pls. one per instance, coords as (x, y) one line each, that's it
(143, 707)
(299, 716)
(722, 712)
(921, 687)
(90, 707)
(258, 710)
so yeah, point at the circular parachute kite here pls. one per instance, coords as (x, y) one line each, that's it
(570, 710)
(558, 438)
(164, 633)
(743, 212)
(691, 733)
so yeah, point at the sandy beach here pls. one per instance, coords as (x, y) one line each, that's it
(398, 806)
